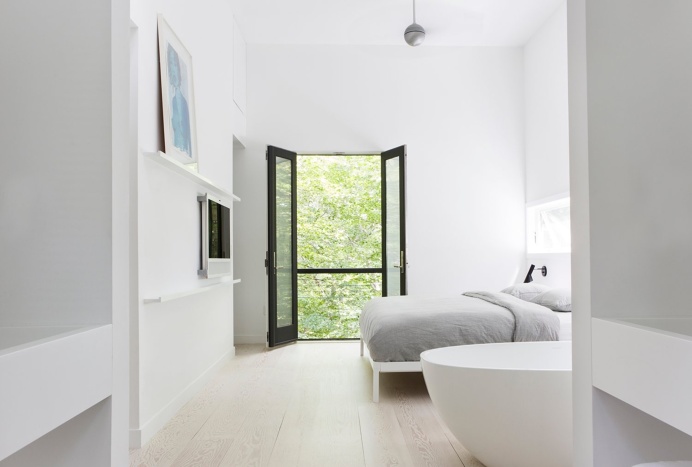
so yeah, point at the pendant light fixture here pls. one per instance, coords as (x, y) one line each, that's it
(415, 33)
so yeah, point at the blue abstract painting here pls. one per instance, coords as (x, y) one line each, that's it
(177, 98)
(178, 85)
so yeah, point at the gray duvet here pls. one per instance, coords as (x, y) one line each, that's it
(398, 329)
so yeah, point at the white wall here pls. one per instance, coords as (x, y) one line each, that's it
(546, 126)
(459, 111)
(79, 442)
(631, 103)
(547, 123)
(63, 194)
(640, 115)
(55, 194)
(178, 344)
(123, 213)
(582, 391)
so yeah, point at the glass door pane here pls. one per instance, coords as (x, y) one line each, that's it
(284, 243)
(281, 256)
(394, 251)
(339, 242)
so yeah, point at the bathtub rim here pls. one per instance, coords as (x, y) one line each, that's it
(425, 357)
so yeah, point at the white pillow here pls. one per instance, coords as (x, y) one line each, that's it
(555, 299)
(525, 291)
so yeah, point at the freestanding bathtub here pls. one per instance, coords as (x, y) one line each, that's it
(509, 404)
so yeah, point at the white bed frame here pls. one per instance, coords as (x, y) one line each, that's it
(386, 367)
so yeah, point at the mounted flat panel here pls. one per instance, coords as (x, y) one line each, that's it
(215, 237)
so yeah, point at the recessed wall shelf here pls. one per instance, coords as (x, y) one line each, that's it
(48, 378)
(187, 293)
(182, 170)
(649, 366)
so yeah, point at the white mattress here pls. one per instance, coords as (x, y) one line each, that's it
(565, 325)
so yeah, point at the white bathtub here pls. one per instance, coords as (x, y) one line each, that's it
(509, 404)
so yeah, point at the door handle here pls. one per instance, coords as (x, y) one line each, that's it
(400, 264)
(276, 266)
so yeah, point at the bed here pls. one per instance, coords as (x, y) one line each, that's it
(397, 329)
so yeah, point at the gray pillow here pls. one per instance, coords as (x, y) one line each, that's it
(555, 299)
(526, 291)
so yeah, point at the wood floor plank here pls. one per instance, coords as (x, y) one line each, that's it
(307, 404)
(255, 440)
(328, 435)
(265, 410)
(173, 439)
(167, 444)
(237, 399)
(383, 441)
(321, 424)
(203, 452)
(424, 437)
(466, 457)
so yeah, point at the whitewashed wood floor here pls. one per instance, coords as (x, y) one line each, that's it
(306, 404)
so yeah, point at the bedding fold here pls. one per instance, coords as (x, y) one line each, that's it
(532, 322)
(398, 329)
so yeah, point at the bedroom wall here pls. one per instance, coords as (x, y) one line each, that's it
(546, 117)
(177, 345)
(546, 127)
(459, 111)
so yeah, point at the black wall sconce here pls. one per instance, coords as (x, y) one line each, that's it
(543, 269)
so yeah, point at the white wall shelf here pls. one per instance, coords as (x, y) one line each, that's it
(236, 281)
(649, 368)
(182, 170)
(48, 378)
(187, 293)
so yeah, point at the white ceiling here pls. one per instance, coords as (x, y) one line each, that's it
(382, 22)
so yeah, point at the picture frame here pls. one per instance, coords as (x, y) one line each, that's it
(177, 97)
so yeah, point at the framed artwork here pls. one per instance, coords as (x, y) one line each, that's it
(177, 97)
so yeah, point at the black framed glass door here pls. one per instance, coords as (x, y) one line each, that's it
(339, 255)
(394, 221)
(281, 261)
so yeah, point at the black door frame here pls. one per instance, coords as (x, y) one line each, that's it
(399, 152)
(286, 334)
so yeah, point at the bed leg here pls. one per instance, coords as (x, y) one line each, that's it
(376, 383)
(361, 346)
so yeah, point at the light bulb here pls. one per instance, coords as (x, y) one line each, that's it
(414, 34)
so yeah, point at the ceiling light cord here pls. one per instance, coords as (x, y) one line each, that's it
(414, 11)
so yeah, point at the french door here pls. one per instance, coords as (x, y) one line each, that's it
(394, 222)
(281, 259)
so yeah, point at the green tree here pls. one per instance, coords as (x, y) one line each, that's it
(339, 226)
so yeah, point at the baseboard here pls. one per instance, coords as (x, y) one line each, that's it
(262, 339)
(140, 436)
